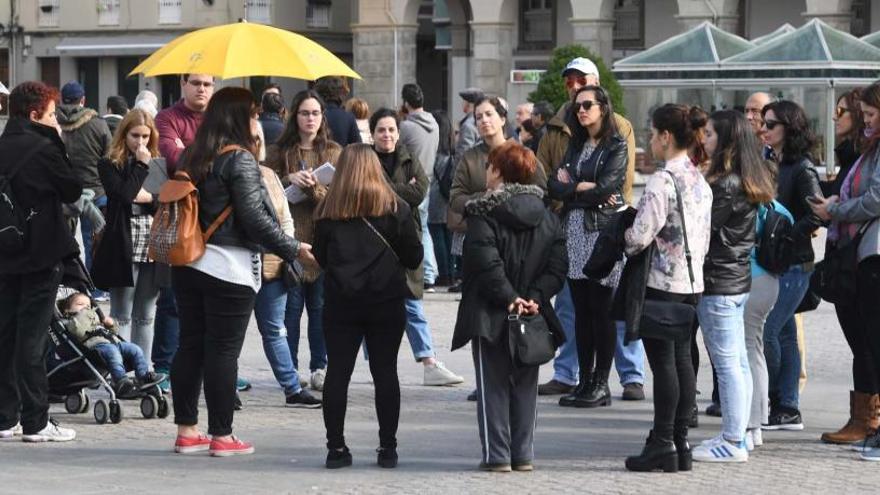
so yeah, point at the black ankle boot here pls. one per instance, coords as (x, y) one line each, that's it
(657, 454)
(683, 449)
(583, 387)
(386, 457)
(598, 395)
(338, 458)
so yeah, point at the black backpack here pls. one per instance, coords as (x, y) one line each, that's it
(13, 216)
(773, 249)
(443, 168)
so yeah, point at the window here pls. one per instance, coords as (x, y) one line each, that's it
(50, 71)
(259, 11)
(537, 24)
(49, 13)
(629, 24)
(860, 24)
(169, 11)
(318, 14)
(108, 12)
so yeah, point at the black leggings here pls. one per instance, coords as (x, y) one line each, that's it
(674, 379)
(868, 301)
(345, 327)
(595, 333)
(856, 333)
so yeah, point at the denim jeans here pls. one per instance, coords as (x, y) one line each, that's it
(721, 319)
(430, 261)
(134, 308)
(122, 356)
(442, 239)
(417, 330)
(565, 366)
(308, 296)
(86, 228)
(629, 359)
(166, 330)
(780, 339)
(269, 310)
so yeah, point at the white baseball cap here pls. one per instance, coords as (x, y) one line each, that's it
(583, 65)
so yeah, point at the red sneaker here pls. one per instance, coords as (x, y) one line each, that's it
(220, 448)
(190, 445)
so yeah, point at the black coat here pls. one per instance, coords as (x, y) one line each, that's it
(358, 267)
(42, 185)
(847, 154)
(606, 167)
(727, 268)
(796, 182)
(514, 247)
(343, 126)
(235, 179)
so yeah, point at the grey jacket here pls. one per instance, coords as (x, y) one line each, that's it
(468, 136)
(87, 138)
(864, 206)
(421, 135)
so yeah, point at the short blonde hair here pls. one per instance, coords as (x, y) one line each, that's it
(358, 107)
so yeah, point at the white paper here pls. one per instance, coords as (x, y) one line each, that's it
(324, 174)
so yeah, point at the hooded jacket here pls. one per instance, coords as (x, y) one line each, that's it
(87, 138)
(420, 133)
(514, 247)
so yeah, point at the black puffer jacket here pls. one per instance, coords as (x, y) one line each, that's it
(606, 167)
(235, 179)
(514, 247)
(727, 268)
(797, 181)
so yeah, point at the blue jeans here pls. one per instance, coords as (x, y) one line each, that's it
(121, 356)
(166, 330)
(418, 333)
(86, 228)
(442, 239)
(269, 311)
(565, 366)
(780, 339)
(308, 296)
(629, 359)
(430, 261)
(721, 319)
(134, 308)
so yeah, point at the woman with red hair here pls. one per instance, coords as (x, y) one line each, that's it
(514, 263)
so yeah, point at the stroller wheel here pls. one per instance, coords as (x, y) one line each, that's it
(149, 406)
(74, 403)
(115, 412)
(102, 412)
(85, 406)
(163, 408)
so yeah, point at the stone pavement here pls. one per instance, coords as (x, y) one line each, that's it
(577, 451)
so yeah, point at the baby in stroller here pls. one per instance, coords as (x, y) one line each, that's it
(83, 322)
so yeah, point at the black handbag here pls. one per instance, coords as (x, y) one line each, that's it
(669, 320)
(834, 278)
(531, 340)
(292, 274)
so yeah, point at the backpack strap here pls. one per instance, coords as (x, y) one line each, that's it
(687, 248)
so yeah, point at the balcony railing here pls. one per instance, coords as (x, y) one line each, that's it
(108, 12)
(49, 13)
(170, 11)
(259, 11)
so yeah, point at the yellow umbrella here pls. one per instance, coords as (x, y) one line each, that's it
(243, 49)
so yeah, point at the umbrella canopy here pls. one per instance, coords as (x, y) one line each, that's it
(243, 49)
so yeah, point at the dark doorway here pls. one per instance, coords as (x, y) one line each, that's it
(128, 86)
(50, 71)
(170, 90)
(87, 75)
(432, 73)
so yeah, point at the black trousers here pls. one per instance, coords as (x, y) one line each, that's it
(214, 317)
(868, 301)
(674, 379)
(856, 330)
(345, 327)
(26, 307)
(595, 333)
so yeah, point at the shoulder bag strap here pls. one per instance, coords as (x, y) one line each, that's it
(228, 210)
(687, 249)
(381, 237)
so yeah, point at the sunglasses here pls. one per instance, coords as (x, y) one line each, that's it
(840, 111)
(586, 105)
(771, 124)
(571, 81)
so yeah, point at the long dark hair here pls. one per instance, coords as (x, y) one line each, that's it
(799, 138)
(870, 96)
(579, 133)
(739, 152)
(227, 121)
(698, 118)
(290, 137)
(447, 141)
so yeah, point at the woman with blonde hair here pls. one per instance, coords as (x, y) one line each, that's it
(361, 111)
(121, 261)
(365, 239)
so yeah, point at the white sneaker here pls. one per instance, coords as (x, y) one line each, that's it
(721, 451)
(757, 437)
(318, 379)
(437, 375)
(12, 432)
(51, 433)
(303, 381)
(750, 442)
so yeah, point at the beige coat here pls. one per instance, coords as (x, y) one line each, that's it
(272, 264)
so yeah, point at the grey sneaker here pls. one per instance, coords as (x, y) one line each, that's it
(870, 442)
(15, 431)
(437, 375)
(51, 433)
(318, 379)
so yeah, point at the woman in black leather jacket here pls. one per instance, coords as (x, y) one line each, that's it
(787, 132)
(216, 293)
(589, 182)
(740, 181)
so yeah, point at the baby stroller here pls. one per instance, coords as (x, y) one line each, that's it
(72, 367)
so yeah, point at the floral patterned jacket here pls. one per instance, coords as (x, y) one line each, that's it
(658, 220)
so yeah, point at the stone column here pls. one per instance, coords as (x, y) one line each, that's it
(595, 34)
(374, 59)
(837, 13)
(492, 56)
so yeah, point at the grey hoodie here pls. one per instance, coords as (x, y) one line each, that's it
(421, 135)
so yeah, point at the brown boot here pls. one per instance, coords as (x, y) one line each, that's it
(863, 416)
